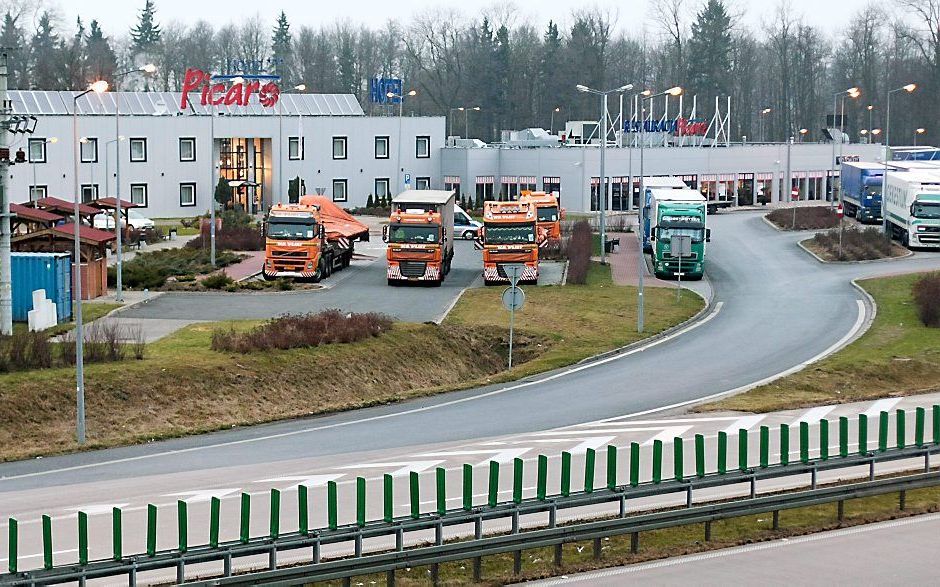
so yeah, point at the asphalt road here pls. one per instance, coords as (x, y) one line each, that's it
(889, 553)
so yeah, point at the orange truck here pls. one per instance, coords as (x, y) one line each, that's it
(309, 240)
(509, 236)
(420, 236)
(549, 217)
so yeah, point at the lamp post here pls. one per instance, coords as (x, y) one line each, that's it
(97, 87)
(832, 163)
(551, 129)
(641, 266)
(870, 107)
(803, 133)
(401, 105)
(280, 141)
(760, 119)
(865, 135)
(107, 174)
(466, 119)
(906, 88)
(602, 133)
(32, 163)
(918, 131)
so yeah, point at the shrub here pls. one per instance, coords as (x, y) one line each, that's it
(302, 331)
(217, 281)
(857, 244)
(578, 250)
(231, 238)
(927, 298)
(285, 284)
(151, 270)
(807, 218)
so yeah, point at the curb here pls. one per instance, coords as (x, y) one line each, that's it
(800, 244)
(869, 320)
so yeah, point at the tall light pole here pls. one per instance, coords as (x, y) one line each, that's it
(906, 88)
(280, 144)
(918, 131)
(832, 163)
(551, 129)
(641, 266)
(107, 174)
(760, 119)
(466, 119)
(870, 107)
(32, 163)
(98, 87)
(602, 133)
(401, 106)
(854, 95)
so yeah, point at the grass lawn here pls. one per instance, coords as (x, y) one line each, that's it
(897, 356)
(91, 311)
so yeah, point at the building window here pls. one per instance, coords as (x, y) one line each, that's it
(382, 186)
(339, 190)
(295, 148)
(37, 192)
(423, 147)
(484, 189)
(339, 147)
(37, 150)
(139, 194)
(551, 185)
(422, 183)
(187, 194)
(89, 150)
(89, 193)
(452, 184)
(187, 148)
(138, 150)
(381, 147)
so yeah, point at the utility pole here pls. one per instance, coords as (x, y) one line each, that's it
(6, 273)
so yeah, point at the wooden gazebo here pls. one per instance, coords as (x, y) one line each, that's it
(60, 238)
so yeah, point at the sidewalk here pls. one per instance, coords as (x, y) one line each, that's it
(624, 262)
(246, 268)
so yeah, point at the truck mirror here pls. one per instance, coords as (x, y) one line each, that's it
(653, 232)
(322, 232)
(443, 234)
(385, 233)
(708, 235)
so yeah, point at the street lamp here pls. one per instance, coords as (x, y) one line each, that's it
(918, 131)
(641, 266)
(466, 119)
(98, 87)
(551, 129)
(870, 107)
(32, 162)
(760, 119)
(107, 175)
(602, 130)
(854, 92)
(401, 104)
(803, 132)
(865, 135)
(909, 88)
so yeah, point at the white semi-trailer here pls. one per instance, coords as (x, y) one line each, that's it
(911, 203)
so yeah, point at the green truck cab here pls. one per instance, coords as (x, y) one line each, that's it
(675, 212)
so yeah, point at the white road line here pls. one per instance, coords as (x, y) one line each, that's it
(882, 405)
(667, 434)
(616, 422)
(593, 443)
(537, 381)
(745, 422)
(20, 557)
(500, 456)
(813, 415)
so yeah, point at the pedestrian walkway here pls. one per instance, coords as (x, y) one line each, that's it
(127, 253)
(624, 262)
(246, 268)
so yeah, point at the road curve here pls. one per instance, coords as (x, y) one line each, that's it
(779, 308)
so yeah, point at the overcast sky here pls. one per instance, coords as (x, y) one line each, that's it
(116, 16)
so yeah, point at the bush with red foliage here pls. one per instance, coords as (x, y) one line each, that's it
(927, 299)
(231, 238)
(301, 331)
(578, 251)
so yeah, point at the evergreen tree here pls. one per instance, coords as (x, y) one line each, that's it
(548, 72)
(346, 60)
(282, 50)
(46, 56)
(146, 35)
(76, 75)
(710, 50)
(100, 58)
(11, 35)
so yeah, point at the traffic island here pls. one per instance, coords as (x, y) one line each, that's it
(803, 218)
(853, 245)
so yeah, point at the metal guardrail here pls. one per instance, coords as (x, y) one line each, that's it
(616, 492)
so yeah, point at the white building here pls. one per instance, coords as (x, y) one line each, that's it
(324, 139)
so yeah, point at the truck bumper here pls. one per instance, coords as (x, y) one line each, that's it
(492, 274)
(431, 273)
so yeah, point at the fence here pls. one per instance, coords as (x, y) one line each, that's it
(869, 450)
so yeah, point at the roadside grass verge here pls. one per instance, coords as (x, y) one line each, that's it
(182, 387)
(91, 311)
(897, 356)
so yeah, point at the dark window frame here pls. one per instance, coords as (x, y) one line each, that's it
(388, 146)
(425, 178)
(146, 203)
(29, 149)
(345, 140)
(345, 183)
(88, 141)
(190, 140)
(191, 184)
(94, 189)
(130, 147)
(388, 185)
(300, 148)
(418, 140)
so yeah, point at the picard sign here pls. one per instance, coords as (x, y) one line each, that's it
(214, 93)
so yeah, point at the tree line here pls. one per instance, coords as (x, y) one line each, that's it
(781, 76)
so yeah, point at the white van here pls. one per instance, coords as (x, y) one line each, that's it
(464, 226)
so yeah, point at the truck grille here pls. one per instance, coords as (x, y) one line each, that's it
(301, 254)
(931, 229)
(412, 268)
(689, 258)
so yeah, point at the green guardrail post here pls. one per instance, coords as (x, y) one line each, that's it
(415, 493)
(611, 466)
(215, 508)
(935, 423)
(722, 453)
(332, 515)
(274, 527)
(360, 501)
(117, 535)
(843, 436)
(824, 439)
(919, 417)
(657, 461)
(440, 475)
(388, 499)
(901, 423)
(565, 473)
(882, 431)
(678, 453)
(182, 520)
(541, 483)
(764, 447)
(784, 444)
(151, 529)
(493, 493)
(517, 465)
(46, 541)
(862, 434)
(82, 538)
(742, 449)
(589, 461)
(468, 487)
(699, 455)
(804, 442)
(634, 464)
(13, 535)
(244, 533)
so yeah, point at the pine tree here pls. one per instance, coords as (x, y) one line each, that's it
(282, 50)
(100, 58)
(146, 35)
(11, 35)
(46, 56)
(370, 203)
(75, 58)
(548, 72)
(709, 50)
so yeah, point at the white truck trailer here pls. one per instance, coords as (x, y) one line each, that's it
(911, 204)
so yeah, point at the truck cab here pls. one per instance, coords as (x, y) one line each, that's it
(548, 217)
(293, 238)
(649, 184)
(420, 237)
(912, 208)
(861, 190)
(674, 213)
(509, 236)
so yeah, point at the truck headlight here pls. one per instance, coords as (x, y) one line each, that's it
(309, 264)
(921, 229)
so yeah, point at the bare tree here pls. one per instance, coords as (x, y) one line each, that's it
(670, 15)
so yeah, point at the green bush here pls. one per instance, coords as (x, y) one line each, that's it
(217, 281)
(151, 270)
(285, 284)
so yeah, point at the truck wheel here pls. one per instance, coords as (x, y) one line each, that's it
(906, 240)
(318, 275)
(392, 282)
(347, 259)
(328, 266)
(468, 235)
(437, 282)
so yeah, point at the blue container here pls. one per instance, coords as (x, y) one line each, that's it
(51, 272)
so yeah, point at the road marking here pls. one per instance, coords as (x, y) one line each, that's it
(305, 480)
(624, 429)
(502, 390)
(499, 456)
(667, 434)
(882, 405)
(203, 494)
(593, 443)
(617, 422)
(39, 554)
(406, 467)
(97, 508)
(745, 422)
(813, 415)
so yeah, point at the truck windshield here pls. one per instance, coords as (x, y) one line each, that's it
(666, 234)
(413, 233)
(291, 229)
(873, 193)
(549, 214)
(510, 234)
(928, 210)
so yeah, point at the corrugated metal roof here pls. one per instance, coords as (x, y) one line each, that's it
(37, 102)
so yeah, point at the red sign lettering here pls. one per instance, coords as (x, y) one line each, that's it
(216, 94)
(687, 127)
